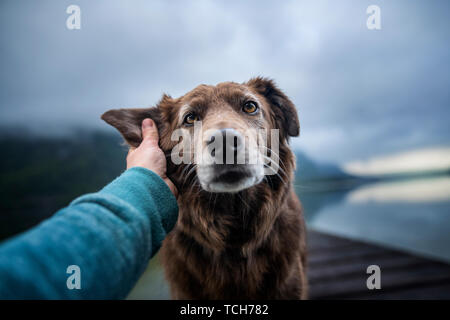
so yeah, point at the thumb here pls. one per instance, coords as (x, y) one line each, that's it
(150, 132)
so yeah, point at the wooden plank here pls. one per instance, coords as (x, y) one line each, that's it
(355, 286)
(430, 291)
(345, 255)
(386, 263)
(337, 270)
(317, 241)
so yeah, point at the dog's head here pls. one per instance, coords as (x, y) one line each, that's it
(218, 135)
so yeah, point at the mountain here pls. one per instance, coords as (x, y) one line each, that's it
(39, 175)
(308, 169)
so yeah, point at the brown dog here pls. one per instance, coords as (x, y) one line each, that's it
(240, 232)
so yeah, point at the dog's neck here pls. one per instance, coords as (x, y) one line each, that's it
(232, 221)
(239, 221)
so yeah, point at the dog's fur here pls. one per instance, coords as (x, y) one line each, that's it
(248, 244)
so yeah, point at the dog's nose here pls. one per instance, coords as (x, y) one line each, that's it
(228, 151)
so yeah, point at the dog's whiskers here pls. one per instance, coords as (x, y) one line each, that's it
(282, 178)
(278, 156)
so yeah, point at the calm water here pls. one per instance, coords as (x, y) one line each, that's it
(410, 215)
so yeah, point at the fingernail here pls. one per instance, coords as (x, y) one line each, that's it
(147, 123)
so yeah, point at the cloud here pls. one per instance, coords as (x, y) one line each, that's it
(358, 92)
(421, 160)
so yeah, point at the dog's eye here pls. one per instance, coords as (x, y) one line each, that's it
(190, 118)
(250, 107)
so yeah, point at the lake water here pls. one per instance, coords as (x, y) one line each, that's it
(410, 215)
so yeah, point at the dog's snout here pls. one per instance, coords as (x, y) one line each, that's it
(229, 145)
(232, 139)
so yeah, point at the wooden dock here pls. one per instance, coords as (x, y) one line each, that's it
(337, 270)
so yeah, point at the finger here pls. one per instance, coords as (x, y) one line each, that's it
(130, 152)
(171, 187)
(150, 132)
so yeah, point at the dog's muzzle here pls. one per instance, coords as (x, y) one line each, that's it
(228, 167)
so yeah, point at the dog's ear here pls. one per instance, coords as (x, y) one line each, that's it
(129, 122)
(283, 108)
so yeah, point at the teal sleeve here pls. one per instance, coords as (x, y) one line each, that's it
(109, 235)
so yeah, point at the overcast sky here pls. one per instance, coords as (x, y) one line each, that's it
(359, 92)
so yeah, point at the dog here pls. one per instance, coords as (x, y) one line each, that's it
(240, 233)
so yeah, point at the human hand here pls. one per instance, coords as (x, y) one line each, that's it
(149, 155)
